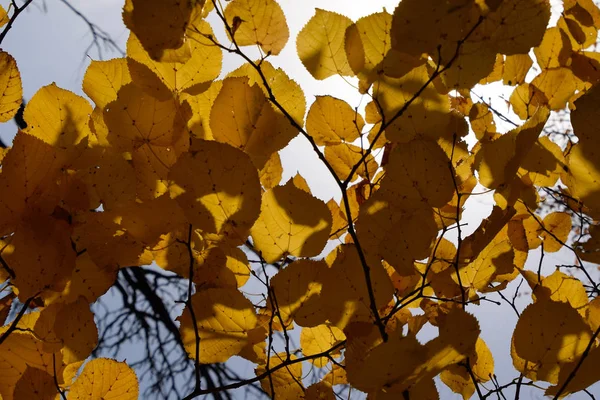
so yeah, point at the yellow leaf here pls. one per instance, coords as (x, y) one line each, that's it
(287, 92)
(20, 351)
(344, 295)
(427, 116)
(262, 23)
(367, 44)
(333, 121)
(548, 335)
(343, 157)
(57, 116)
(287, 381)
(319, 391)
(320, 339)
(136, 119)
(75, 327)
(557, 226)
(203, 65)
(291, 222)
(583, 177)
(159, 24)
(558, 85)
(107, 243)
(87, 280)
(3, 17)
(11, 90)
(526, 99)
(482, 121)
(218, 188)
(320, 45)
(103, 378)
(544, 164)
(417, 175)
(555, 49)
(402, 362)
(104, 79)
(561, 288)
(495, 259)
(40, 238)
(516, 67)
(201, 104)
(253, 124)
(35, 384)
(29, 172)
(497, 161)
(297, 289)
(481, 362)
(271, 173)
(223, 319)
(586, 375)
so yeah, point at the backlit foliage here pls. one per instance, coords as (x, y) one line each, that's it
(176, 163)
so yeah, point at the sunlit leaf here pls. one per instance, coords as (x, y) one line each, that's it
(104, 378)
(291, 222)
(262, 23)
(11, 91)
(320, 45)
(222, 327)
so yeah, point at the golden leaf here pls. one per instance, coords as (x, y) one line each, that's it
(224, 318)
(262, 22)
(11, 90)
(320, 45)
(103, 378)
(291, 222)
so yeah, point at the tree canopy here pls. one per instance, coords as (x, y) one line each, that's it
(174, 162)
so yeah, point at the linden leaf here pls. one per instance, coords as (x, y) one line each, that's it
(333, 121)
(320, 45)
(218, 188)
(495, 259)
(560, 288)
(262, 23)
(583, 179)
(203, 65)
(253, 124)
(367, 44)
(29, 172)
(297, 289)
(136, 120)
(271, 173)
(497, 161)
(11, 90)
(544, 164)
(426, 114)
(286, 380)
(515, 69)
(103, 80)
(288, 92)
(548, 335)
(291, 222)
(103, 378)
(585, 376)
(75, 327)
(557, 85)
(344, 296)
(343, 157)
(3, 17)
(57, 116)
(557, 226)
(458, 379)
(40, 238)
(35, 384)
(87, 280)
(20, 351)
(320, 339)
(224, 318)
(555, 49)
(159, 24)
(319, 391)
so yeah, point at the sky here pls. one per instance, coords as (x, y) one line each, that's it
(50, 44)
